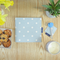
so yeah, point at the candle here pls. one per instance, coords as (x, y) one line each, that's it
(53, 47)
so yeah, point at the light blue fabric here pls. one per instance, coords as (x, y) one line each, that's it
(53, 30)
(28, 29)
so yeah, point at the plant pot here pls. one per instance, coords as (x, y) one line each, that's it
(49, 15)
(2, 11)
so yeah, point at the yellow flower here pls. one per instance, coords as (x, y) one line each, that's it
(2, 18)
(6, 3)
(1, 22)
(2, 0)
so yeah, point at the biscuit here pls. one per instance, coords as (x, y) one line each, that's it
(1, 32)
(7, 44)
(3, 38)
(7, 32)
(0, 43)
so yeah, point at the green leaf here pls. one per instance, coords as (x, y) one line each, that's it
(57, 7)
(47, 6)
(59, 13)
(57, 3)
(52, 2)
(46, 9)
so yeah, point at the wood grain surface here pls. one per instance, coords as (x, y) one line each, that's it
(29, 51)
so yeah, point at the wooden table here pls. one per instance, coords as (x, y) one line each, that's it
(29, 51)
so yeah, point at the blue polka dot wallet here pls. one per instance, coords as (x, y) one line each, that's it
(28, 29)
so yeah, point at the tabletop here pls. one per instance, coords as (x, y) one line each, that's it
(29, 51)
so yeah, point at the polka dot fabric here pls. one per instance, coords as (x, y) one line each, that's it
(28, 29)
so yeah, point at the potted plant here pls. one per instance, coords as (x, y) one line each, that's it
(52, 9)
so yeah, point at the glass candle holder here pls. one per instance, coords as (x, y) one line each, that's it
(53, 47)
(2, 11)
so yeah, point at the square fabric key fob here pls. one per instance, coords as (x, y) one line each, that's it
(47, 31)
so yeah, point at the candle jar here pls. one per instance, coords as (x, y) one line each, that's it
(2, 11)
(53, 47)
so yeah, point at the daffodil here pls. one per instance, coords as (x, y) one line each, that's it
(6, 3)
(2, 18)
(2, 0)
